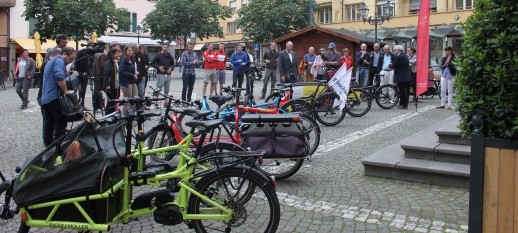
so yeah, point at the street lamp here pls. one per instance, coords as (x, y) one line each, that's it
(378, 19)
(139, 30)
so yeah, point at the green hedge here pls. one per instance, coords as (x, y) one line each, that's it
(487, 82)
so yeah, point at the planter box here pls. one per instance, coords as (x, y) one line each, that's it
(493, 201)
(7, 3)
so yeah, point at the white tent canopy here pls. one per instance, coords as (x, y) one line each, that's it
(132, 39)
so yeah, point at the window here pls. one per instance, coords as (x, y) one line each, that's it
(463, 4)
(233, 6)
(32, 26)
(231, 28)
(325, 15)
(352, 12)
(416, 4)
(379, 9)
(133, 22)
(245, 3)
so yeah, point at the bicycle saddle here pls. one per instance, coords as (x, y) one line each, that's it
(197, 113)
(220, 100)
(206, 125)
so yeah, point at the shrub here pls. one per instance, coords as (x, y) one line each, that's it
(487, 82)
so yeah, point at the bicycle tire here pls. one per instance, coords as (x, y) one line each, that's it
(387, 96)
(157, 137)
(184, 118)
(298, 105)
(219, 147)
(324, 107)
(280, 168)
(3, 193)
(237, 199)
(23, 228)
(311, 131)
(358, 105)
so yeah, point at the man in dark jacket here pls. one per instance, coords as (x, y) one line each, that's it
(164, 64)
(363, 62)
(287, 65)
(401, 75)
(270, 58)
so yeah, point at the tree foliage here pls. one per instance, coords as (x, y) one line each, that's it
(75, 18)
(487, 83)
(174, 18)
(264, 20)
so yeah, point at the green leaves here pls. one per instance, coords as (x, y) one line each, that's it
(264, 20)
(173, 18)
(75, 18)
(487, 83)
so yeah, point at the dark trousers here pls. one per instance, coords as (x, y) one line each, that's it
(83, 79)
(403, 93)
(188, 84)
(289, 79)
(112, 93)
(413, 84)
(237, 78)
(55, 122)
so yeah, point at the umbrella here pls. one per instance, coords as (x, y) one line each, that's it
(37, 45)
(94, 37)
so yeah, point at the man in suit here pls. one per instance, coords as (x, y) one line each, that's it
(401, 75)
(287, 64)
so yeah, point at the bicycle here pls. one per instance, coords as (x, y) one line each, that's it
(217, 198)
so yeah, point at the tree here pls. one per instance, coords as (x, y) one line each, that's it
(75, 18)
(487, 82)
(264, 20)
(174, 18)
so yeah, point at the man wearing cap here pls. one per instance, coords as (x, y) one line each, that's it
(332, 57)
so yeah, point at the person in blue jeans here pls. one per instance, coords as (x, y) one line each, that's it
(188, 59)
(239, 59)
(363, 62)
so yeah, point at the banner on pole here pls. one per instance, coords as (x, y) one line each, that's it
(340, 84)
(423, 47)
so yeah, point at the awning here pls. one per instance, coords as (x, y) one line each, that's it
(406, 33)
(198, 46)
(383, 33)
(28, 44)
(445, 31)
(131, 39)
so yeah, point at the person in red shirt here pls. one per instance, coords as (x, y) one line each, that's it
(210, 70)
(346, 58)
(221, 66)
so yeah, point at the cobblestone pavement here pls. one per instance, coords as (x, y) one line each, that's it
(328, 194)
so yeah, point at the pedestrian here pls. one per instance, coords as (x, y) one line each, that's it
(250, 69)
(54, 52)
(346, 59)
(287, 64)
(61, 42)
(164, 64)
(142, 64)
(309, 59)
(111, 78)
(401, 75)
(210, 71)
(375, 56)
(25, 69)
(447, 77)
(53, 87)
(412, 58)
(363, 61)
(332, 57)
(239, 60)
(82, 66)
(384, 62)
(221, 66)
(318, 67)
(128, 76)
(145, 62)
(270, 58)
(188, 60)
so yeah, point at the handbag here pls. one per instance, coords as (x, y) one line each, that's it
(69, 104)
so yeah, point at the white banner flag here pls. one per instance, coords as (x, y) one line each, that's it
(340, 84)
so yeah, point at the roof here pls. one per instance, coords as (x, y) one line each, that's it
(407, 33)
(28, 44)
(383, 33)
(342, 33)
(198, 46)
(446, 31)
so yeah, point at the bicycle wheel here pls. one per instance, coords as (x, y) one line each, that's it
(298, 105)
(280, 168)
(358, 103)
(328, 114)
(387, 96)
(158, 137)
(259, 212)
(311, 131)
(184, 118)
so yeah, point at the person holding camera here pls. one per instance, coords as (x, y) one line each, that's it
(287, 65)
(128, 75)
(164, 63)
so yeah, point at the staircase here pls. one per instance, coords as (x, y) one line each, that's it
(436, 155)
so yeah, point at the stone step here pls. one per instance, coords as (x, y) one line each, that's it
(427, 147)
(449, 133)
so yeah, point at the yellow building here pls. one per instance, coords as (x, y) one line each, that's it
(346, 14)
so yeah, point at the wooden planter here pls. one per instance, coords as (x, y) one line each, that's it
(7, 3)
(493, 201)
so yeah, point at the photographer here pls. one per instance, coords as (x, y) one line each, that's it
(82, 66)
(164, 63)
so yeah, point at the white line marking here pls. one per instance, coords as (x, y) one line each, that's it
(408, 223)
(340, 142)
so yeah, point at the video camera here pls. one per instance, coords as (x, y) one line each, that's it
(93, 48)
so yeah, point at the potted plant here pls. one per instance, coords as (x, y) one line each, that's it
(487, 101)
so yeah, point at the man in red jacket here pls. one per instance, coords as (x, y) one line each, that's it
(210, 70)
(221, 66)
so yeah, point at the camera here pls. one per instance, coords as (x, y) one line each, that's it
(93, 48)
